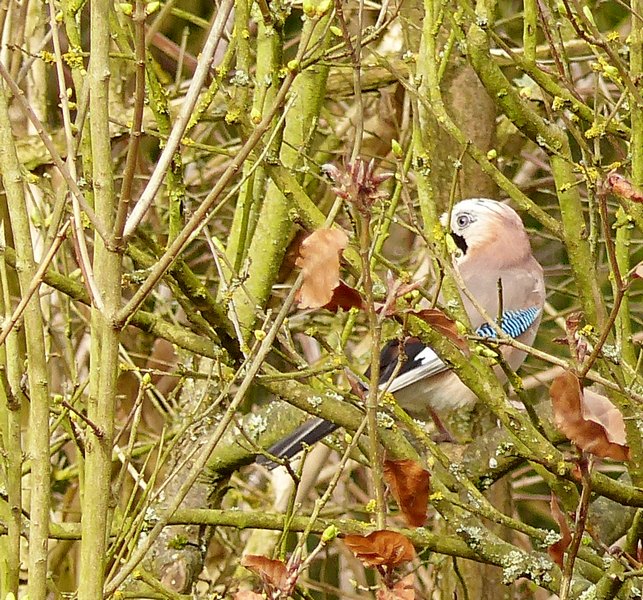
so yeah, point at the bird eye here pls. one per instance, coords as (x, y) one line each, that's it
(462, 221)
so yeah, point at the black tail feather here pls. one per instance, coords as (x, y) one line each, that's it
(306, 434)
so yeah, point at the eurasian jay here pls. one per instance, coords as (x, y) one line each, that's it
(493, 247)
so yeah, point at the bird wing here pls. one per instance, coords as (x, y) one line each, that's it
(422, 362)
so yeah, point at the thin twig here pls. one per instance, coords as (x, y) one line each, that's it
(581, 519)
(55, 156)
(137, 122)
(35, 284)
(79, 235)
(621, 286)
(174, 139)
(375, 330)
(98, 432)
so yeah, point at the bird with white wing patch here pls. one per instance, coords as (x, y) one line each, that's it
(495, 263)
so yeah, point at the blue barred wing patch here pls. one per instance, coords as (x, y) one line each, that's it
(514, 322)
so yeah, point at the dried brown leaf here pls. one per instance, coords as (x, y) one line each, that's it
(344, 297)
(557, 549)
(599, 409)
(381, 548)
(436, 319)
(400, 590)
(588, 419)
(319, 261)
(272, 572)
(623, 187)
(409, 484)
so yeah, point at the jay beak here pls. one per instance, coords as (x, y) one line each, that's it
(492, 246)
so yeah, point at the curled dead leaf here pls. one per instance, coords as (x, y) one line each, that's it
(623, 187)
(319, 262)
(272, 572)
(409, 484)
(637, 272)
(588, 419)
(344, 297)
(381, 548)
(557, 550)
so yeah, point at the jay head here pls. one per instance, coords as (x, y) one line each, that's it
(482, 227)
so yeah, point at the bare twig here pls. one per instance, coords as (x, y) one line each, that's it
(58, 161)
(174, 139)
(79, 235)
(620, 284)
(137, 122)
(35, 283)
(582, 512)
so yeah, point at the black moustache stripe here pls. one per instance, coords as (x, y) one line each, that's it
(460, 242)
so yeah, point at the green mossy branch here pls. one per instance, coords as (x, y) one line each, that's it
(145, 321)
(274, 226)
(105, 337)
(36, 368)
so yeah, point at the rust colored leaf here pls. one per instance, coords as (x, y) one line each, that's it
(436, 319)
(319, 261)
(623, 187)
(409, 484)
(400, 590)
(557, 549)
(381, 548)
(344, 297)
(588, 419)
(272, 572)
